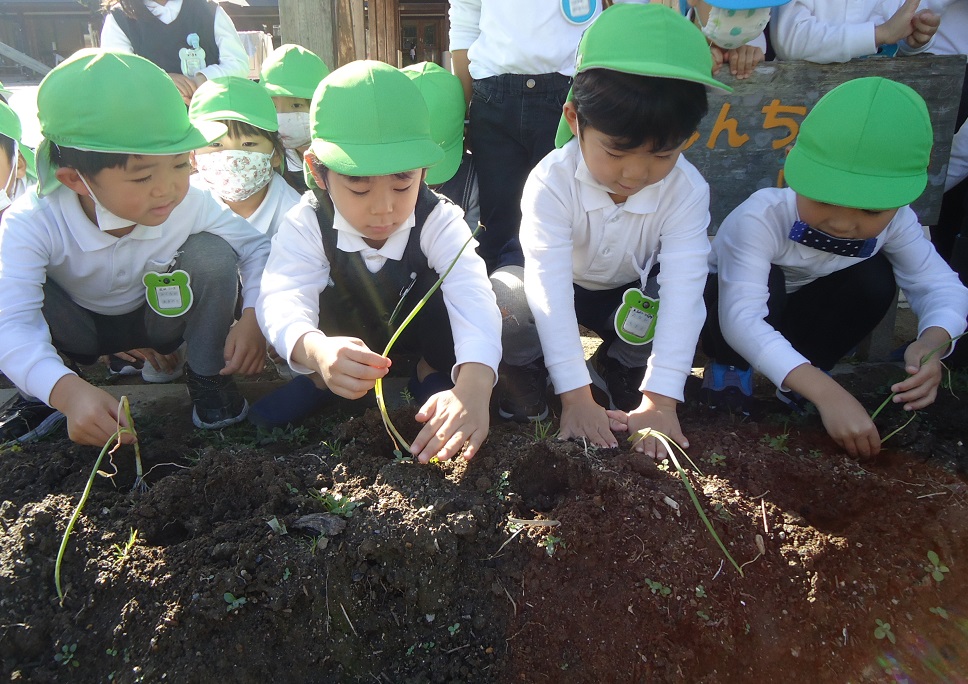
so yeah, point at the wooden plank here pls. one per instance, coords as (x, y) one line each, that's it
(742, 142)
(312, 24)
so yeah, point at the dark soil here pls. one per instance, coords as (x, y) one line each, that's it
(430, 579)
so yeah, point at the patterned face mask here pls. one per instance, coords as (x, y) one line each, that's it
(235, 175)
(730, 29)
(294, 129)
(811, 237)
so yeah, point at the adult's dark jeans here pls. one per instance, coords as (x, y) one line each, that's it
(823, 320)
(513, 120)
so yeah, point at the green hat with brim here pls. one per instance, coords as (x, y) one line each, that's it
(11, 127)
(866, 144)
(444, 95)
(234, 99)
(4, 92)
(292, 71)
(129, 106)
(369, 119)
(647, 40)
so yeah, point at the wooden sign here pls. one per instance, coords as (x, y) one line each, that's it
(742, 142)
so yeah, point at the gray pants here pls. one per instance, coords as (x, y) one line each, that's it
(213, 266)
(594, 309)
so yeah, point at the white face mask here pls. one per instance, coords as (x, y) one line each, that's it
(730, 29)
(235, 175)
(6, 199)
(294, 129)
(105, 219)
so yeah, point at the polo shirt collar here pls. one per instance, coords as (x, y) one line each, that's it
(594, 195)
(349, 239)
(85, 232)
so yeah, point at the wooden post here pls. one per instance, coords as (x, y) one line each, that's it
(312, 24)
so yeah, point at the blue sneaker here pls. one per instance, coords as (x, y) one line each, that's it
(289, 404)
(728, 387)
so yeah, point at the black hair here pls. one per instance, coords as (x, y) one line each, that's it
(238, 129)
(7, 145)
(635, 110)
(86, 163)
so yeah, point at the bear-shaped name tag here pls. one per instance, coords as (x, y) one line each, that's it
(193, 57)
(168, 294)
(636, 317)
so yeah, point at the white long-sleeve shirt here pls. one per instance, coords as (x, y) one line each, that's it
(514, 37)
(755, 236)
(52, 238)
(275, 205)
(952, 35)
(233, 59)
(572, 232)
(298, 271)
(827, 31)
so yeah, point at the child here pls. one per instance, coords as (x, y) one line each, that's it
(455, 177)
(291, 74)
(827, 31)
(117, 251)
(734, 29)
(350, 261)
(193, 40)
(13, 165)
(239, 168)
(806, 272)
(602, 214)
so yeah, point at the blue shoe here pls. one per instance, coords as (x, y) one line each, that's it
(433, 383)
(289, 404)
(728, 387)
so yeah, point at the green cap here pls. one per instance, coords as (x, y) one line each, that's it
(647, 40)
(866, 144)
(4, 92)
(129, 106)
(444, 95)
(390, 131)
(292, 71)
(10, 123)
(236, 99)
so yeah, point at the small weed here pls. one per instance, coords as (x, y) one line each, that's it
(454, 628)
(777, 442)
(289, 434)
(335, 447)
(940, 612)
(500, 487)
(66, 655)
(717, 459)
(721, 511)
(122, 551)
(542, 430)
(113, 652)
(406, 396)
(234, 602)
(746, 630)
(701, 592)
(815, 454)
(703, 616)
(426, 646)
(937, 569)
(286, 574)
(551, 544)
(663, 465)
(312, 543)
(343, 506)
(658, 588)
(883, 630)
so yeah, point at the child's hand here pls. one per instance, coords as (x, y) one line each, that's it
(925, 25)
(346, 364)
(659, 413)
(457, 420)
(719, 56)
(582, 417)
(898, 27)
(245, 347)
(92, 413)
(186, 86)
(743, 60)
(921, 389)
(847, 423)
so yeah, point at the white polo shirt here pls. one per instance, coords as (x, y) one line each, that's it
(266, 218)
(755, 236)
(52, 237)
(572, 232)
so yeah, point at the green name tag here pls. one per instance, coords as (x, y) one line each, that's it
(168, 294)
(636, 317)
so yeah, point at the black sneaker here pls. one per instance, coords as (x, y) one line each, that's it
(521, 391)
(215, 399)
(119, 366)
(24, 420)
(620, 382)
